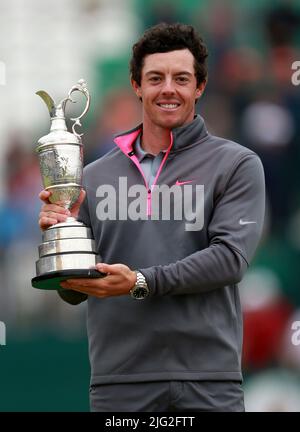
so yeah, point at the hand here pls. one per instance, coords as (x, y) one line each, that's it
(52, 213)
(119, 281)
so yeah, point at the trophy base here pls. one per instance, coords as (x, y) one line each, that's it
(51, 281)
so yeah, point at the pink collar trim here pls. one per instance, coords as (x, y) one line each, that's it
(125, 142)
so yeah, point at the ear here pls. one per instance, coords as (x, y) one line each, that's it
(200, 89)
(136, 88)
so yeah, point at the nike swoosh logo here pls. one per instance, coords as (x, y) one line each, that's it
(179, 183)
(242, 222)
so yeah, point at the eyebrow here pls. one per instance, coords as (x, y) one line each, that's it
(161, 73)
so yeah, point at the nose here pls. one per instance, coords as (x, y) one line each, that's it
(168, 86)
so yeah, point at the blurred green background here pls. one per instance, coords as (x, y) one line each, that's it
(44, 373)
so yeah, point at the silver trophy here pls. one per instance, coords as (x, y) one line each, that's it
(67, 249)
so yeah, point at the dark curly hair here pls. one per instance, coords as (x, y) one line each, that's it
(169, 37)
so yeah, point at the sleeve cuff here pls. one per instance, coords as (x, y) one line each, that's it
(149, 276)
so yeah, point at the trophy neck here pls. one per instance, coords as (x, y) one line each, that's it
(58, 123)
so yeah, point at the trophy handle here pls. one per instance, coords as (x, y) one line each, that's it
(59, 110)
(81, 86)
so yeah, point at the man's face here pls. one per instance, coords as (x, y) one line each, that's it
(168, 89)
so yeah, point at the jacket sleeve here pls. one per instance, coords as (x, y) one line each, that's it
(234, 232)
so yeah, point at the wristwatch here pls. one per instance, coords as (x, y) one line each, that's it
(140, 289)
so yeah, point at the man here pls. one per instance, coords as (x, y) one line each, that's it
(165, 324)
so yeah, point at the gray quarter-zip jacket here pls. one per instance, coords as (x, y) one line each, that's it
(190, 327)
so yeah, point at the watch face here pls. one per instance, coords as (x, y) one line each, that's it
(140, 293)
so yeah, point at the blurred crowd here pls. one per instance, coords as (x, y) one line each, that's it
(250, 99)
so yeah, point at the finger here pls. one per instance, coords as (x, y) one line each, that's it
(89, 290)
(46, 222)
(66, 286)
(91, 283)
(44, 196)
(58, 216)
(86, 282)
(55, 208)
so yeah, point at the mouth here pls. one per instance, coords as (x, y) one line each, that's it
(169, 106)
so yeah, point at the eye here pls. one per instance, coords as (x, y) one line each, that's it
(155, 79)
(182, 79)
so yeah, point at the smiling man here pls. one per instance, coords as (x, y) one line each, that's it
(168, 88)
(165, 323)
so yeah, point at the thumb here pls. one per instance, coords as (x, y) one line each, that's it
(108, 268)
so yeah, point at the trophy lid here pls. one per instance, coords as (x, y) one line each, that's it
(58, 130)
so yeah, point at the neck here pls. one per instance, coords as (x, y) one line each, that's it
(155, 140)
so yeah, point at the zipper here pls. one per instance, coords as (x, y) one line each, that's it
(137, 164)
(149, 196)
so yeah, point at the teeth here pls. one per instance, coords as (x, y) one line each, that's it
(169, 106)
